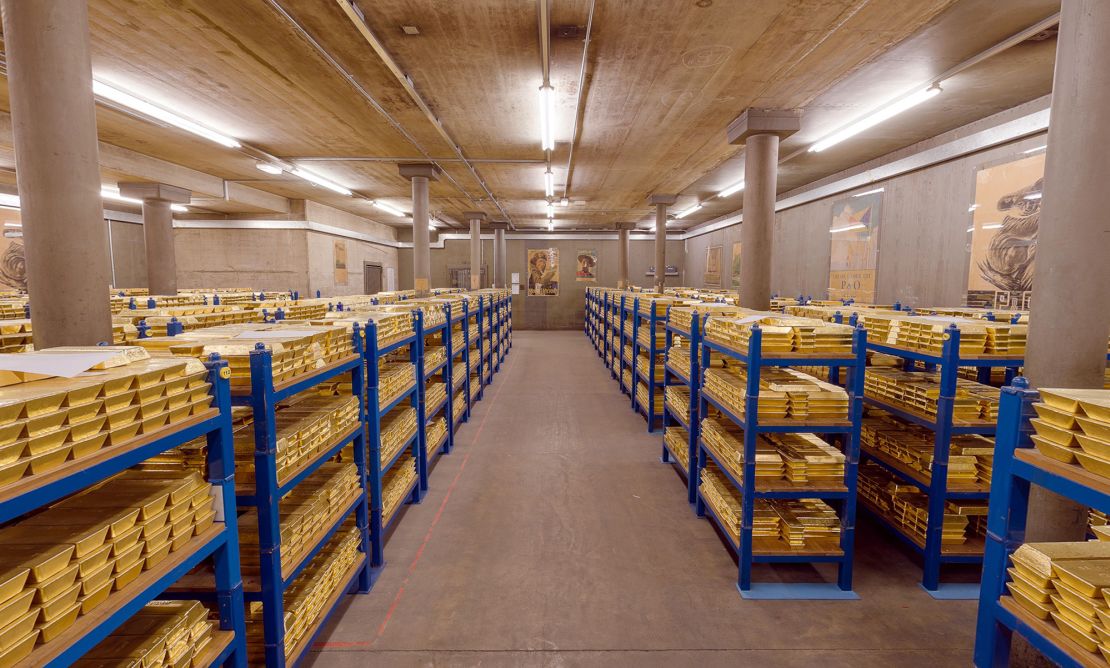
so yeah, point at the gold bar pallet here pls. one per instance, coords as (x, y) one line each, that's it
(94, 533)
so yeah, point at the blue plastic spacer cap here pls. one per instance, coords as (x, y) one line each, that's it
(260, 346)
(1021, 382)
(214, 357)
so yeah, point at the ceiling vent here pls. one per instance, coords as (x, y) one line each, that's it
(569, 32)
(410, 30)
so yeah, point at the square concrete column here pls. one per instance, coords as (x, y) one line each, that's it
(46, 44)
(1070, 312)
(500, 255)
(661, 203)
(420, 174)
(623, 235)
(476, 219)
(760, 130)
(161, 259)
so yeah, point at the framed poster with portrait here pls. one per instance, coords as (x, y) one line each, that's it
(587, 266)
(543, 272)
(712, 276)
(854, 247)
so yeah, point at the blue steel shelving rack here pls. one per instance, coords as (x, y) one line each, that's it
(463, 383)
(477, 314)
(1017, 466)
(433, 450)
(263, 398)
(691, 378)
(625, 303)
(222, 545)
(653, 382)
(932, 552)
(489, 338)
(373, 354)
(845, 496)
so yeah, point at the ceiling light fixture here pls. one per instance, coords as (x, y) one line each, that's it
(388, 208)
(876, 117)
(13, 224)
(1034, 149)
(550, 226)
(113, 194)
(564, 202)
(549, 183)
(869, 192)
(686, 212)
(550, 210)
(10, 201)
(269, 168)
(731, 190)
(312, 177)
(547, 101)
(134, 103)
(847, 228)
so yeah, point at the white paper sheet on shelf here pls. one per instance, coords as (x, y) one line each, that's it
(64, 365)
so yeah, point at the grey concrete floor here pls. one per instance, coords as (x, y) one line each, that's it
(553, 536)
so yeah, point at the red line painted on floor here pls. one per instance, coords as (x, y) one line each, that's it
(427, 536)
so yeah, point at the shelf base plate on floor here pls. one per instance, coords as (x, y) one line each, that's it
(955, 591)
(802, 591)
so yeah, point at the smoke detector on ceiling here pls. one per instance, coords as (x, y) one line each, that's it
(410, 30)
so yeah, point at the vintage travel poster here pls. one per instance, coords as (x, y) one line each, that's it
(587, 266)
(13, 265)
(543, 272)
(341, 263)
(735, 264)
(1004, 221)
(854, 247)
(712, 276)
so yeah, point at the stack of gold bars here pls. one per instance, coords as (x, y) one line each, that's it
(434, 312)
(653, 303)
(648, 370)
(398, 426)
(907, 507)
(66, 560)
(970, 458)
(190, 317)
(678, 359)
(162, 634)
(677, 441)
(120, 303)
(678, 398)
(643, 337)
(683, 316)
(434, 395)
(1075, 424)
(724, 440)
(303, 309)
(782, 335)
(396, 484)
(306, 511)
(457, 340)
(1069, 582)
(305, 426)
(655, 406)
(927, 334)
(394, 379)
(306, 601)
(800, 459)
(458, 373)
(392, 326)
(458, 407)
(45, 422)
(15, 335)
(437, 431)
(783, 394)
(919, 392)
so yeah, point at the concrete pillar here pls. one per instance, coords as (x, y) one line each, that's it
(161, 259)
(760, 130)
(46, 44)
(420, 174)
(500, 255)
(623, 235)
(661, 203)
(1070, 312)
(476, 219)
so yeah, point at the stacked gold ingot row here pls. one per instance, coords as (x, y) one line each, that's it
(678, 358)
(797, 523)
(908, 507)
(678, 398)
(919, 392)
(433, 310)
(970, 458)
(1075, 425)
(677, 440)
(395, 486)
(626, 377)
(796, 458)
(626, 354)
(306, 601)
(434, 356)
(783, 394)
(69, 559)
(304, 427)
(434, 395)
(683, 316)
(398, 426)
(11, 309)
(1068, 583)
(191, 317)
(648, 370)
(642, 397)
(15, 335)
(458, 373)
(928, 333)
(162, 634)
(458, 407)
(297, 348)
(119, 303)
(472, 333)
(437, 430)
(782, 335)
(457, 340)
(475, 386)
(394, 379)
(45, 422)
(306, 511)
(643, 337)
(303, 309)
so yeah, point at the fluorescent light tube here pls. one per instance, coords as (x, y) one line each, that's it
(549, 183)
(873, 119)
(9, 200)
(320, 181)
(128, 100)
(269, 168)
(869, 192)
(108, 193)
(180, 208)
(550, 226)
(682, 214)
(1035, 149)
(731, 190)
(550, 210)
(846, 228)
(1032, 196)
(547, 101)
(13, 224)
(388, 208)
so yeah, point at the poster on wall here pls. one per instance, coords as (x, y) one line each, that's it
(13, 266)
(587, 266)
(854, 247)
(341, 263)
(735, 264)
(712, 276)
(1004, 222)
(543, 272)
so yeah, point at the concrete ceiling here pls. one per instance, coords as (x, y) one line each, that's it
(299, 80)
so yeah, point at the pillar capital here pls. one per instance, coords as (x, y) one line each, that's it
(498, 225)
(779, 122)
(471, 216)
(627, 227)
(663, 199)
(155, 191)
(411, 170)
